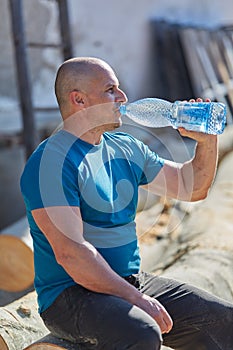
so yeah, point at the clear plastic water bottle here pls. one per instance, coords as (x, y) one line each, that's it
(206, 117)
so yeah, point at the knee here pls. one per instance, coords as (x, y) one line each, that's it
(149, 338)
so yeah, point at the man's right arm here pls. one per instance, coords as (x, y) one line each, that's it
(62, 226)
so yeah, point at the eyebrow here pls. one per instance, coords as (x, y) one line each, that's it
(113, 83)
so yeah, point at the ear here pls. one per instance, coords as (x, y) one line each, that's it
(77, 98)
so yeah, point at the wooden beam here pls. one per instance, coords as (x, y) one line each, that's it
(65, 29)
(23, 80)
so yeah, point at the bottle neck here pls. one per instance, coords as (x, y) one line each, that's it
(122, 109)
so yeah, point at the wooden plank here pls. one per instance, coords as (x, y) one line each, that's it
(209, 79)
(160, 59)
(171, 75)
(218, 59)
(189, 42)
(227, 47)
(179, 79)
(37, 45)
(215, 69)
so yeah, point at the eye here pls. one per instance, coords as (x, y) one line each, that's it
(111, 90)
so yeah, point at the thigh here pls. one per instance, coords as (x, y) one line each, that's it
(100, 321)
(198, 316)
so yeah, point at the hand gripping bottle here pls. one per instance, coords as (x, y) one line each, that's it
(206, 117)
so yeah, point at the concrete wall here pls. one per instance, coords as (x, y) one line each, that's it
(117, 31)
(11, 201)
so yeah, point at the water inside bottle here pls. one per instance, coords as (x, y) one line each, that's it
(199, 116)
(204, 117)
(150, 112)
(192, 116)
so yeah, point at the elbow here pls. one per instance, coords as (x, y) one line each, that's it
(69, 255)
(194, 195)
(199, 195)
(61, 259)
(65, 258)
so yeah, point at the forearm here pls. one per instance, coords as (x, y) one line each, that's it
(86, 266)
(62, 226)
(89, 269)
(199, 173)
(92, 271)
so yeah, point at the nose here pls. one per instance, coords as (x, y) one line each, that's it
(121, 96)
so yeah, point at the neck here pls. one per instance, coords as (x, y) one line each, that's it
(92, 137)
(78, 125)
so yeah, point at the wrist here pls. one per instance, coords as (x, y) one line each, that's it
(133, 296)
(207, 140)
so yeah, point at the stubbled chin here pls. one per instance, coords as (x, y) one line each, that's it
(113, 126)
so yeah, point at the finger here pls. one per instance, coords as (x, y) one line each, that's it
(163, 319)
(167, 320)
(163, 325)
(164, 328)
(184, 132)
(169, 324)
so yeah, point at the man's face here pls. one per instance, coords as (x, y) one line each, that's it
(104, 98)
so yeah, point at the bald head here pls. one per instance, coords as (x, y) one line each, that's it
(76, 74)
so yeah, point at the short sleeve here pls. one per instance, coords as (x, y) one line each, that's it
(50, 179)
(153, 165)
(149, 162)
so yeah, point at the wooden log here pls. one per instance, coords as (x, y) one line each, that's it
(21, 327)
(201, 250)
(198, 250)
(20, 323)
(49, 342)
(16, 263)
(226, 142)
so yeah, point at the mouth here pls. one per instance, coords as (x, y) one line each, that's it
(116, 109)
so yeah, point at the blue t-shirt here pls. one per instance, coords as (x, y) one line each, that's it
(103, 181)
